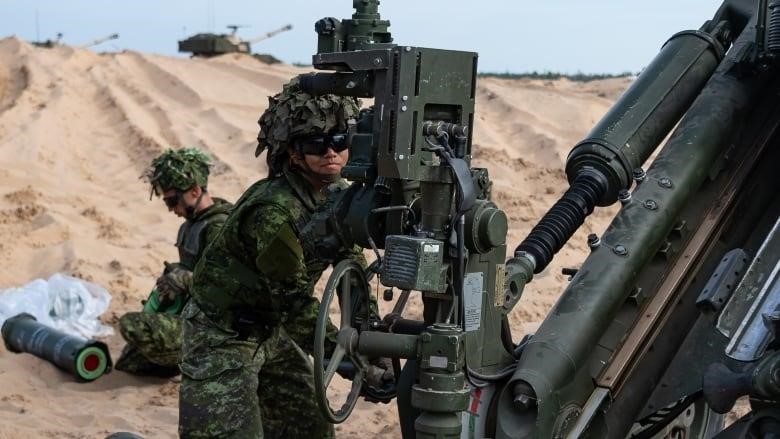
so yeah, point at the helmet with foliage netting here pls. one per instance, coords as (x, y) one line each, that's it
(178, 169)
(294, 114)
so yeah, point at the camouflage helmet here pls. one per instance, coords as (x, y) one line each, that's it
(293, 114)
(178, 169)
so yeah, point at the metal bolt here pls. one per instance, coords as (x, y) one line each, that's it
(638, 174)
(377, 61)
(523, 402)
(408, 49)
(620, 250)
(650, 204)
(624, 196)
(665, 182)
(594, 241)
(404, 98)
(524, 396)
(403, 107)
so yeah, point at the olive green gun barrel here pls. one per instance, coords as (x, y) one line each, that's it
(560, 349)
(85, 359)
(647, 111)
(602, 165)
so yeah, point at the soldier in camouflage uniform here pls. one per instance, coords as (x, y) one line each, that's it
(154, 338)
(250, 323)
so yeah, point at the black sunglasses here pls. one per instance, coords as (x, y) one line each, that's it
(172, 200)
(318, 145)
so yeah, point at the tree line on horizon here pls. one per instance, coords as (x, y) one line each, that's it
(579, 76)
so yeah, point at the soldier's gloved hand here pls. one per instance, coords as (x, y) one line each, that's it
(379, 381)
(175, 282)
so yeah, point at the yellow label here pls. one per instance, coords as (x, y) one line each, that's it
(500, 279)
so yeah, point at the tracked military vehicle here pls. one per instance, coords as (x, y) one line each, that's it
(210, 44)
(48, 43)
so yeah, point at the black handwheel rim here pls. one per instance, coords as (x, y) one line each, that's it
(343, 271)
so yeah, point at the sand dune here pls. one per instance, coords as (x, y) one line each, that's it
(77, 129)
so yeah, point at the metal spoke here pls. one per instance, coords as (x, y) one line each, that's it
(345, 285)
(347, 276)
(333, 364)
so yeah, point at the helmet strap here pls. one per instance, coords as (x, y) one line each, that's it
(189, 210)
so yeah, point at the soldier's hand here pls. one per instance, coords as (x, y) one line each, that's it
(379, 381)
(171, 266)
(173, 283)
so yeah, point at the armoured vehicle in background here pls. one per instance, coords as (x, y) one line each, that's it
(210, 44)
(51, 43)
(671, 318)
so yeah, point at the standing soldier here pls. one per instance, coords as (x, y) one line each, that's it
(244, 369)
(153, 336)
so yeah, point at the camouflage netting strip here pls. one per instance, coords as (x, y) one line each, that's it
(292, 114)
(179, 169)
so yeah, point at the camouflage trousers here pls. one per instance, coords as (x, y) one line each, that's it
(244, 388)
(153, 344)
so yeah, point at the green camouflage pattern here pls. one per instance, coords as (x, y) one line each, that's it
(254, 388)
(153, 344)
(255, 262)
(245, 372)
(293, 114)
(154, 339)
(178, 169)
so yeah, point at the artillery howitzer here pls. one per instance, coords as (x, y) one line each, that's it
(671, 317)
(210, 44)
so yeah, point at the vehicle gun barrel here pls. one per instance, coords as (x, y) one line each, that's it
(97, 41)
(270, 34)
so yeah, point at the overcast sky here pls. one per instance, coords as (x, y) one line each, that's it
(567, 36)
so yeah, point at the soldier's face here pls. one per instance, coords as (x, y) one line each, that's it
(177, 202)
(328, 163)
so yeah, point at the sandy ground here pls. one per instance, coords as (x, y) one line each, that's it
(77, 129)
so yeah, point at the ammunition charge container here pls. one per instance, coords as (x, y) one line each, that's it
(85, 359)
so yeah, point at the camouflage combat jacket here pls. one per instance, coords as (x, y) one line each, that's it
(196, 233)
(255, 273)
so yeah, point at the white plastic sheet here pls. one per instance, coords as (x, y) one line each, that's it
(63, 302)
